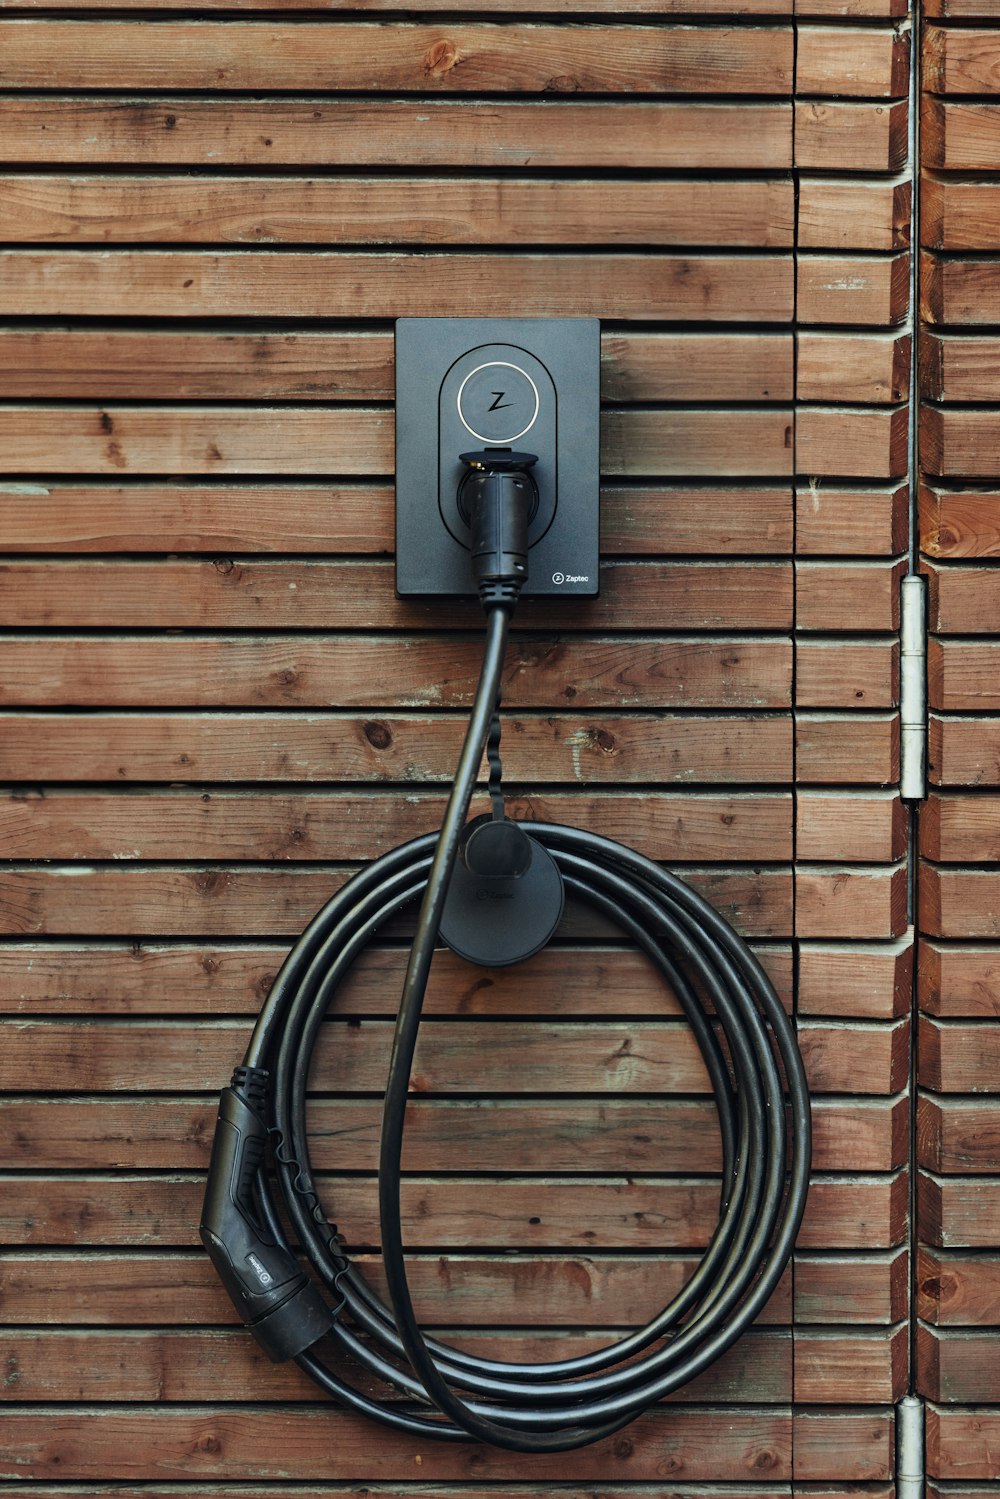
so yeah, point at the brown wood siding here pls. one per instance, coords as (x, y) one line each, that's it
(959, 1101)
(214, 708)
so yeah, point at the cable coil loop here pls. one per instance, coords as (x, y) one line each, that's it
(756, 1074)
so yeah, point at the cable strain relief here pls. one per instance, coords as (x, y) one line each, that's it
(499, 592)
(250, 1084)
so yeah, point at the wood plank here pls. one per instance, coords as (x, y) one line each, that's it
(670, 1135)
(959, 443)
(214, 902)
(872, 982)
(414, 672)
(849, 9)
(962, 292)
(183, 979)
(962, 675)
(841, 826)
(752, 212)
(842, 1447)
(957, 981)
(958, 902)
(956, 1137)
(848, 522)
(357, 132)
(454, 1056)
(956, 1289)
(744, 7)
(959, 215)
(957, 1058)
(258, 517)
(844, 748)
(960, 137)
(822, 1292)
(958, 1367)
(846, 673)
(851, 61)
(958, 1212)
(959, 829)
(309, 747)
(856, 290)
(178, 1289)
(963, 524)
(872, 1365)
(960, 61)
(851, 441)
(960, 369)
(853, 595)
(961, 1444)
(847, 902)
(317, 1445)
(151, 364)
(962, 8)
(266, 595)
(961, 600)
(872, 368)
(651, 1213)
(463, 57)
(370, 284)
(853, 213)
(872, 137)
(354, 440)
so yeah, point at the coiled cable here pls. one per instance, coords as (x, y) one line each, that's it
(560, 1405)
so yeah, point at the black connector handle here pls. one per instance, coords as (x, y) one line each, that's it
(266, 1283)
(499, 494)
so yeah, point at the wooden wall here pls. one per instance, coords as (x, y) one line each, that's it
(959, 1221)
(214, 707)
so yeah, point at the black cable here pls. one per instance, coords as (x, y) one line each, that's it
(559, 1405)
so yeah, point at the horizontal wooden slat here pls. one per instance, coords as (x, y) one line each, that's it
(859, 367)
(335, 132)
(960, 137)
(837, 1447)
(872, 137)
(863, 441)
(853, 214)
(650, 1213)
(230, 440)
(958, 1367)
(960, 443)
(960, 61)
(822, 1295)
(304, 747)
(747, 7)
(180, 979)
(956, 1289)
(395, 670)
(960, 215)
(961, 600)
(958, 902)
(964, 675)
(955, 1136)
(855, 290)
(453, 1056)
(848, 522)
(848, 595)
(389, 56)
(667, 1135)
(185, 1445)
(108, 362)
(854, 749)
(844, 825)
(962, 1444)
(957, 1058)
(960, 829)
(221, 902)
(872, 1365)
(960, 369)
(227, 594)
(959, 980)
(293, 284)
(846, 673)
(957, 1212)
(963, 292)
(962, 524)
(255, 517)
(750, 212)
(851, 61)
(873, 982)
(850, 902)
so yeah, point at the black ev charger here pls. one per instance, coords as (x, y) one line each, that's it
(498, 504)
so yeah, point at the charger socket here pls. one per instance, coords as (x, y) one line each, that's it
(526, 384)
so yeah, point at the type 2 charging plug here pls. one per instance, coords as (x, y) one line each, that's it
(498, 495)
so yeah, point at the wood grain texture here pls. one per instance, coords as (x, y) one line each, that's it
(958, 1290)
(862, 368)
(867, 981)
(964, 751)
(862, 62)
(853, 214)
(961, 61)
(957, 1058)
(846, 673)
(850, 902)
(962, 675)
(213, 131)
(956, 1137)
(957, 902)
(959, 443)
(957, 524)
(846, 825)
(842, 748)
(872, 137)
(961, 829)
(958, 1212)
(851, 442)
(853, 290)
(958, 136)
(962, 292)
(961, 599)
(848, 522)
(956, 981)
(851, 596)
(959, 369)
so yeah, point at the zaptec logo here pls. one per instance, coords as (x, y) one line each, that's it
(571, 577)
